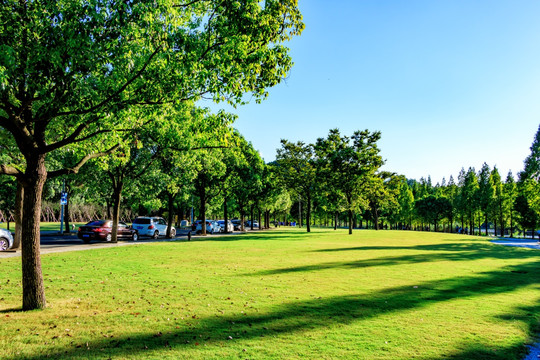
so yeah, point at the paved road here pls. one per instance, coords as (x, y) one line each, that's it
(51, 242)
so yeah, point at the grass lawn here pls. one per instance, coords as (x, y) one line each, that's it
(280, 294)
(44, 226)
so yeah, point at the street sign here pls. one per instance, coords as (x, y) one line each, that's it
(63, 198)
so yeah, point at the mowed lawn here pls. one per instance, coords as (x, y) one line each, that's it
(280, 294)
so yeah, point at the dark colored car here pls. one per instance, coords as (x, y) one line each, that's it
(102, 230)
(237, 224)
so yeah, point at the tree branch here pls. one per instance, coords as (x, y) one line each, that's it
(10, 170)
(76, 168)
(200, 148)
(116, 93)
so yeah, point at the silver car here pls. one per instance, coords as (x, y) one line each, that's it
(152, 226)
(6, 240)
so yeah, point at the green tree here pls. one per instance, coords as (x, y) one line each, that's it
(532, 162)
(433, 209)
(497, 203)
(406, 204)
(451, 193)
(485, 193)
(510, 191)
(469, 197)
(297, 166)
(68, 69)
(353, 161)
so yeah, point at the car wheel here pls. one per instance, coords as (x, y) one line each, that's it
(3, 244)
(135, 236)
(108, 237)
(173, 232)
(156, 234)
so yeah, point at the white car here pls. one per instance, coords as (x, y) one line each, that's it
(152, 226)
(230, 226)
(6, 239)
(212, 227)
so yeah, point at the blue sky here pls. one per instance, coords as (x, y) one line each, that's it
(450, 84)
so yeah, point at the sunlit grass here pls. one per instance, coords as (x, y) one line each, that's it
(280, 294)
(44, 226)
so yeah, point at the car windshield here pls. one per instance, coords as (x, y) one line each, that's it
(141, 221)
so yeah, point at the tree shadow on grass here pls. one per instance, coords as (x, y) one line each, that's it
(268, 235)
(316, 313)
(434, 253)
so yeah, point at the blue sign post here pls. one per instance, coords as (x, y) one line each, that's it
(63, 202)
(63, 198)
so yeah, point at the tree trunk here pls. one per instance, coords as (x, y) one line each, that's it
(202, 212)
(251, 217)
(308, 214)
(117, 196)
(260, 223)
(335, 220)
(108, 204)
(18, 215)
(170, 216)
(350, 221)
(225, 216)
(511, 224)
(32, 276)
(486, 224)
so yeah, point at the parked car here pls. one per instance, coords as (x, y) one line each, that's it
(102, 230)
(6, 240)
(212, 227)
(255, 224)
(152, 226)
(237, 224)
(230, 226)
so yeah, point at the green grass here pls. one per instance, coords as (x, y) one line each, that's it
(44, 226)
(280, 294)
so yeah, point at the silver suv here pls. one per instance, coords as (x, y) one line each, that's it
(6, 239)
(152, 226)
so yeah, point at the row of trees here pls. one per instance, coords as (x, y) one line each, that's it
(83, 80)
(340, 176)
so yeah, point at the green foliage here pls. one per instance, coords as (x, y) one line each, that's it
(532, 162)
(433, 209)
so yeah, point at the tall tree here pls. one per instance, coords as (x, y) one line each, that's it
(469, 197)
(485, 193)
(406, 204)
(297, 166)
(69, 68)
(354, 161)
(497, 203)
(433, 209)
(532, 162)
(510, 191)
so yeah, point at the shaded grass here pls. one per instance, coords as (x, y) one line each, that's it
(281, 294)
